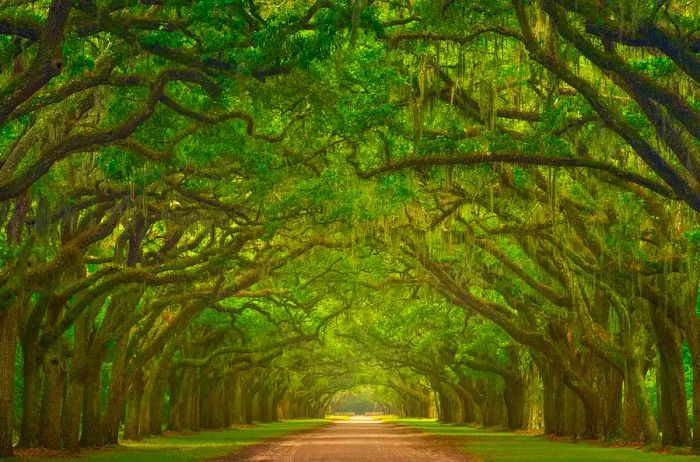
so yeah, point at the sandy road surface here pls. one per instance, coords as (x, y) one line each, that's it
(359, 439)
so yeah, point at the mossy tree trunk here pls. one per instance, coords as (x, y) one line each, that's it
(115, 394)
(52, 397)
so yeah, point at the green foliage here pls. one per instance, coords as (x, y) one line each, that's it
(655, 66)
(688, 378)
(5, 251)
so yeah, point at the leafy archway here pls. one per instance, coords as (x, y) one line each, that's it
(220, 212)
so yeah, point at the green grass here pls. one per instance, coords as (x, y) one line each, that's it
(189, 448)
(493, 446)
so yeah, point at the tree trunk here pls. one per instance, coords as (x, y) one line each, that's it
(11, 302)
(675, 426)
(468, 409)
(8, 338)
(29, 429)
(613, 395)
(205, 409)
(515, 400)
(155, 425)
(639, 424)
(275, 408)
(493, 407)
(115, 396)
(91, 435)
(594, 415)
(574, 415)
(175, 391)
(73, 402)
(133, 407)
(195, 402)
(52, 398)
(696, 402)
(231, 387)
(264, 406)
(248, 407)
(216, 404)
(553, 402)
(443, 412)
(145, 411)
(257, 406)
(189, 418)
(693, 335)
(70, 417)
(187, 403)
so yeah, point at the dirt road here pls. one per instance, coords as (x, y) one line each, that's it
(360, 439)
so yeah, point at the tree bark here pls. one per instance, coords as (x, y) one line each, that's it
(175, 391)
(493, 408)
(52, 398)
(693, 335)
(639, 424)
(675, 426)
(157, 400)
(70, 417)
(8, 337)
(248, 407)
(553, 405)
(696, 399)
(91, 435)
(11, 301)
(145, 410)
(73, 402)
(115, 396)
(231, 387)
(29, 429)
(133, 407)
(515, 400)
(216, 404)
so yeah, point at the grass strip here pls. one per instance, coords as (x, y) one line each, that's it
(191, 447)
(498, 446)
